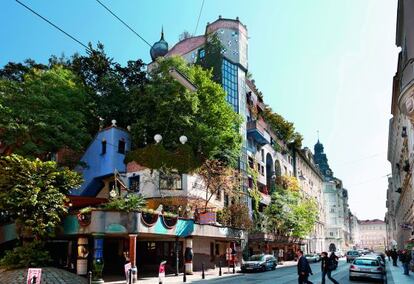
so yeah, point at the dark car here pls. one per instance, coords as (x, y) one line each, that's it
(351, 255)
(259, 262)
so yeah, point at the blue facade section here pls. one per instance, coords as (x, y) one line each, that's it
(104, 155)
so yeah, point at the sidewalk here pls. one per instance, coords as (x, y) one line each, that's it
(395, 274)
(210, 274)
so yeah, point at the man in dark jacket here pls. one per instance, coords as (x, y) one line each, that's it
(405, 258)
(304, 268)
(394, 257)
(326, 267)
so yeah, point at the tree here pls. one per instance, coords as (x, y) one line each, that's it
(168, 108)
(34, 194)
(109, 85)
(42, 112)
(218, 179)
(290, 212)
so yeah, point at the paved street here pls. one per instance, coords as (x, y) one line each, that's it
(287, 275)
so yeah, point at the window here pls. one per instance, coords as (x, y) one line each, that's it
(262, 155)
(134, 183)
(331, 234)
(230, 84)
(121, 146)
(170, 181)
(103, 147)
(201, 53)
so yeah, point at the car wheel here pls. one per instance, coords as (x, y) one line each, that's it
(263, 268)
(274, 267)
(351, 278)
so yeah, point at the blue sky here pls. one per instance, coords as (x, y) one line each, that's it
(326, 65)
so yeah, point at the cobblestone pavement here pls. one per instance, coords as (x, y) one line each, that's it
(50, 275)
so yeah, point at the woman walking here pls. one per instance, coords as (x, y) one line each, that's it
(327, 265)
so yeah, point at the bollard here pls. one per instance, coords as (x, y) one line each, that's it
(90, 277)
(203, 276)
(130, 276)
(34, 279)
(234, 267)
(220, 268)
(184, 276)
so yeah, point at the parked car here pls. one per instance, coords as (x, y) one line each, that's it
(351, 255)
(259, 262)
(312, 257)
(366, 267)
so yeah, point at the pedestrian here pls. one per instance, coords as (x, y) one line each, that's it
(388, 253)
(334, 261)
(394, 257)
(405, 258)
(327, 265)
(304, 268)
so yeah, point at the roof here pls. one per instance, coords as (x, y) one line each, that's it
(186, 45)
(371, 222)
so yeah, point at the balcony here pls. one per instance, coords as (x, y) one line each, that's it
(257, 130)
(406, 89)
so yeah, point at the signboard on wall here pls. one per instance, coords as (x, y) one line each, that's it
(32, 273)
(208, 218)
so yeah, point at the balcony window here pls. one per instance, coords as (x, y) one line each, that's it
(121, 146)
(170, 181)
(103, 147)
(134, 183)
(201, 53)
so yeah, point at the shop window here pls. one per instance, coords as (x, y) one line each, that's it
(201, 53)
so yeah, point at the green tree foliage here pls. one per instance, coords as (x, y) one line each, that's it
(109, 85)
(168, 108)
(290, 212)
(41, 111)
(128, 203)
(32, 254)
(236, 215)
(213, 58)
(34, 193)
(284, 129)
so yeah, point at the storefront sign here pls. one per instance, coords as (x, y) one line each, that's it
(34, 272)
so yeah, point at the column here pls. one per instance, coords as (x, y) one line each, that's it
(132, 257)
(188, 256)
(177, 258)
(82, 257)
(98, 261)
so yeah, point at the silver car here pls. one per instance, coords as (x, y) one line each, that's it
(367, 267)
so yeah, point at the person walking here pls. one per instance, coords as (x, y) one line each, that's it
(394, 257)
(327, 265)
(405, 258)
(304, 268)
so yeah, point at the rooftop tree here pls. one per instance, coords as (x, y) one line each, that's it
(169, 109)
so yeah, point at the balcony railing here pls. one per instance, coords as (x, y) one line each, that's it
(258, 130)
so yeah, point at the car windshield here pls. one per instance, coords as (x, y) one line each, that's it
(308, 255)
(256, 258)
(366, 262)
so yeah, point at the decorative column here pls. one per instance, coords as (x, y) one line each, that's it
(98, 261)
(82, 257)
(188, 256)
(132, 257)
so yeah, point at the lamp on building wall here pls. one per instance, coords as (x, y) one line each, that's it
(183, 139)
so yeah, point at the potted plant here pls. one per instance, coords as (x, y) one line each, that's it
(149, 217)
(169, 219)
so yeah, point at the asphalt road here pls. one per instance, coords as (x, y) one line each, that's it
(288, 275)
